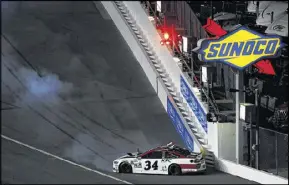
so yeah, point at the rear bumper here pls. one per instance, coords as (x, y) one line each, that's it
(198, 168)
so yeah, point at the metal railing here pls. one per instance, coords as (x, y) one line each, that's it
(273, 152)
(214, 101)
(190, 22)
(211, 103)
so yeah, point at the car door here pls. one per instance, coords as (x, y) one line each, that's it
(137, 165)
(152, 162)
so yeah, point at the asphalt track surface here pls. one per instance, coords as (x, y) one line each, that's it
(71, 87)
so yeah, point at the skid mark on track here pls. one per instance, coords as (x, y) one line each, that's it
(13, 72)
(102, 126)
(62, 159)
(46, 118)
(84, 129)
(63, 131)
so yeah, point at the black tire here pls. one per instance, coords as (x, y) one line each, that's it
(125, 168)
(175, 169)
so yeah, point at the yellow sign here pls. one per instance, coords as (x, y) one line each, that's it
(241, 48)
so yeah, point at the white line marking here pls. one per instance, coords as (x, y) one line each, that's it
(65, 160)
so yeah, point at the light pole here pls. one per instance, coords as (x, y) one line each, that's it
(237, 121)
(256, 146)
(212, 10)
(257, 128)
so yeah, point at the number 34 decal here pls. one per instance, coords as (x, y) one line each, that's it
(149, 165)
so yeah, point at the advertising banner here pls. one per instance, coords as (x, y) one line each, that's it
(240, 48)
(194, 104)
(179, 126)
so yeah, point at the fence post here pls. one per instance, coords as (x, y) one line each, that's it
(257, 129)
(276, 152)
(238, 127)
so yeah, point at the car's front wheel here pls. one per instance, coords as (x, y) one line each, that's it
(175, 169)
(125, 168)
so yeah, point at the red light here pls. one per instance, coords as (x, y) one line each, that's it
(166, 36)
(168, 42)
(162, 43)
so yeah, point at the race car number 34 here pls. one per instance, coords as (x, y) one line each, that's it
(149, 165)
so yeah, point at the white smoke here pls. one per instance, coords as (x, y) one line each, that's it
(46, 87)
(104, 155)
(81, 154)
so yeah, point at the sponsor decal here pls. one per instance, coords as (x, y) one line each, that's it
(164, 168)
(138, 165)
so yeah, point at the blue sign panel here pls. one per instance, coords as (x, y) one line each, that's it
(194, 104)
(179, 126)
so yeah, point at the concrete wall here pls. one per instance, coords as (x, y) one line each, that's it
(227, 141)
(249, 173)
(162, 52)
(213, 138)
(140, 55)
(129, 38)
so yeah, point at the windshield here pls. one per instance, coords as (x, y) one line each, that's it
(182, 151)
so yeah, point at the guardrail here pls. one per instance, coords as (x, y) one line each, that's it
(160, 78)
(249, 173)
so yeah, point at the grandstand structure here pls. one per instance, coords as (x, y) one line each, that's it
(270, 125)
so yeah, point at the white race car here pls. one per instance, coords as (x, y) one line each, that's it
(169, 159)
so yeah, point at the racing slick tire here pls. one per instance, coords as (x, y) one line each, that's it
(125, 167)
(175, 169)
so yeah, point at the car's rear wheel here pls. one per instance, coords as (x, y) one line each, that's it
(125, 168)
(175, 169)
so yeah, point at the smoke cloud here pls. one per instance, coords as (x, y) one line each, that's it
(81, 154)
(46, 87)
